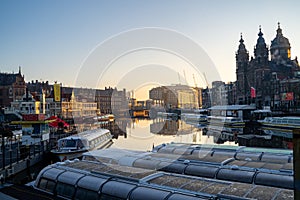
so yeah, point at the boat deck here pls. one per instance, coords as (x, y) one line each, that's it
(266, 167)
(138, 183)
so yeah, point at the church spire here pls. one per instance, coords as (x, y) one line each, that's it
(242, 48)
(261, 51)
(241, 40)
(260, 34)
(242, 55)
(279, 30)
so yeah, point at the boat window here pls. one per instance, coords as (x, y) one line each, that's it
(47, 185)
(82, 193)
(293, 121)
(84, 142)
(91, 143)
(70, 143)
(80, 144)
(65, 190)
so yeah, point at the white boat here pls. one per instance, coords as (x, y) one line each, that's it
(281, 122)
(225, 121)
(167, 115)
(194, 117)
(74, 146)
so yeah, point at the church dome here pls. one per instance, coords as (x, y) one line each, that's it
(280, 41)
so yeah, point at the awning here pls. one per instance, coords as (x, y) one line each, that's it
(57, 122)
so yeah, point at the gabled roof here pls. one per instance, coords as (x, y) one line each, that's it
(7, 79)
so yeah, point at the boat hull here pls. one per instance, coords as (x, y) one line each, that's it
(70, 155)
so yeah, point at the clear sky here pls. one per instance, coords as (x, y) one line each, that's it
(53, 40)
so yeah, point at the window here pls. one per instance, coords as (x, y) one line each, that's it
(82, 193)
(65, 190)
(47, 185)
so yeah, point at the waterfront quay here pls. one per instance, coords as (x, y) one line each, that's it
(21, 153)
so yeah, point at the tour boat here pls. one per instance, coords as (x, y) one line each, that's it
(75, 145)
(225, 121)
(194, 117)
(281, 122)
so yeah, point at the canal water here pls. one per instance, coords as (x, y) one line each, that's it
(143, 134)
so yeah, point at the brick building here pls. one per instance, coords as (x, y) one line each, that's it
(12, 88)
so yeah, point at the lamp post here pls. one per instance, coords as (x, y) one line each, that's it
(3, 148)
(296, 162)
(10, 152)
(18, 147)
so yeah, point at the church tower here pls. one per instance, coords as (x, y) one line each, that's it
(242, 63)
(280, 47)
(261, 52)
(242, 55)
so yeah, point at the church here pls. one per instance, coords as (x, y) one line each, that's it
(259, 78)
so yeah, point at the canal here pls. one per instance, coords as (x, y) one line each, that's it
(143, 134)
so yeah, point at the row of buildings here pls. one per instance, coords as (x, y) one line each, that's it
(18, 97)
(269, 78)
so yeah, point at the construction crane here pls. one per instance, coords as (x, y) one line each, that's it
(179, 78)
(194, 80)
(185, 77)
(205, 79)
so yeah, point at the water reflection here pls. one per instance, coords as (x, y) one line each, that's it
(143, 134)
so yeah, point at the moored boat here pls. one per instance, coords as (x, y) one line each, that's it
(225, 121)
(281, 122)
(74, 146)
(194, 117)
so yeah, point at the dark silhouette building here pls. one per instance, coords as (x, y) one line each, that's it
(264, 73)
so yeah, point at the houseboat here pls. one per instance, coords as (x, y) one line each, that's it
(281, 122)
(230, 115)
(260, 114)
(74, 146)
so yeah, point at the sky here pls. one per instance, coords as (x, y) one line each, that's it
(137, 44)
